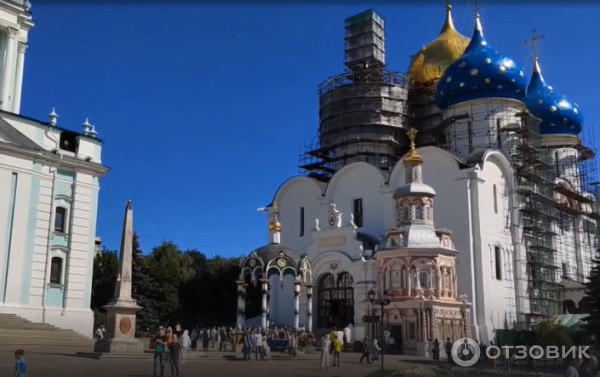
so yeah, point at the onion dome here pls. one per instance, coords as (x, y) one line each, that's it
(480, 73)
(557, 114)
(429, 64)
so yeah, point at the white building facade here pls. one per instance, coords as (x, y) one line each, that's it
(48, 199)
(520, 219)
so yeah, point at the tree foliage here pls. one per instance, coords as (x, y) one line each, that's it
(176, 286)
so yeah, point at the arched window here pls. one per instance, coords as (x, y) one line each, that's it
(60, 219)
(335, 301)
(406, 214)
(424, 279)
(419, 212)
(56, 268)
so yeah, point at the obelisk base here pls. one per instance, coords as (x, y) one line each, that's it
(116, 345)
(121, 329)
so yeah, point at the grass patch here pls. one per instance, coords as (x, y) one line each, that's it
(386, 373)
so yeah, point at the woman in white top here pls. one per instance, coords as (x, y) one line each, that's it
(258, 342)
(325, 344)
(375, 349)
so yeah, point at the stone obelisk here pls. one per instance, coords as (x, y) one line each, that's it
(121, 310)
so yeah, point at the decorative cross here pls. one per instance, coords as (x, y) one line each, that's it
(448, 3)
(412, 135)
(476, 7)
(533, 42)
(275, 209)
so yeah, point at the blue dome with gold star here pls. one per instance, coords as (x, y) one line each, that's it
(556, 113)
(481, 72)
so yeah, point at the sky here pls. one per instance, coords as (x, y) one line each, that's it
(203, 109)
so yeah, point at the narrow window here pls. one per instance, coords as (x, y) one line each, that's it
(301, 221)
(60, 219)
(406, 214)
(395, 280)
(565, 271)
(498, 132)
(56, 267)
(419, 212)
(495, 198)
(357, 211)
(556, 164)
(470, 132)
(498, 262)
(424, 279)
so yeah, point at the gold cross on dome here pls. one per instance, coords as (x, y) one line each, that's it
(448, 3)
(412, 135)
(534, 41)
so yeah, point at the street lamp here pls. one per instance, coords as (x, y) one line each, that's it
(382, 301)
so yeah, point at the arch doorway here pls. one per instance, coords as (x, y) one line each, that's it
(335, 300)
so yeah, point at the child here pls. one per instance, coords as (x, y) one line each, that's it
(337, 349)
(21, 365)
(174, 355)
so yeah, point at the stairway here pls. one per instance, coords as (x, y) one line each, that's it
(17, 332)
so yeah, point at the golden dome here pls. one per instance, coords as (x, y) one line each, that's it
(429, 64)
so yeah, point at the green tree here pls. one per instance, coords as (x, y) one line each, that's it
(141, 289)
(106, 265)
(593, 292)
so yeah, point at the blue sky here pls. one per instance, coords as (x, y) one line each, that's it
(203, 109)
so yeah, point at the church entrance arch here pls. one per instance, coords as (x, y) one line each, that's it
(335, 300)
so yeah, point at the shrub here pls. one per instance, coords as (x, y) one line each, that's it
(418, 372)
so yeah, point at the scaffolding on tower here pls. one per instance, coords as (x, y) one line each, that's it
(364, 111)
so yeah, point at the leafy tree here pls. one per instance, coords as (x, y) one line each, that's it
(593, 292)
(141, 289)
(106, 265)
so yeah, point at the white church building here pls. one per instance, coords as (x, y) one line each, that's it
(501, 153)
(48, 198)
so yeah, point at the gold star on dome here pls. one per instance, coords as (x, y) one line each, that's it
(508, 63)
(539, 101)
(499, 86)
(488, 61)
(502, 69)
(474, 72)
(487, 81)
(521, 74)
(550, 88)
(518, 90)
(462, 65)
(552, 109)
(564, 104)
(565, 120)
(483, 43)
(576, 111)
(475, 88)
(449, 78)
(513, 81)
(461, 84)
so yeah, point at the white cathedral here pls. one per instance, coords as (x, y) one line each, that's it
(498, 164)
(48, 198)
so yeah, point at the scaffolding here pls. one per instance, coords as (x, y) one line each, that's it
(363, 111)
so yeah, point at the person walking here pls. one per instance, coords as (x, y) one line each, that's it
(337, 349)
(376, 350)
(365, 351)
(185, 342)
(435, 351)
(174, 356)
(259, 352)
(160, 343)
(326, 344)
(448, 349)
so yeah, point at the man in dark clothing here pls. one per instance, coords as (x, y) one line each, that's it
(160, 344)
(174, 356)
(365, 351)
(589, 367)
(448, 348)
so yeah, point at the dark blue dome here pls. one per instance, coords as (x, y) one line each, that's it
(481, 72)
(557, 114)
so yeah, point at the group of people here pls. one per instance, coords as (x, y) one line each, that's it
(176, 345)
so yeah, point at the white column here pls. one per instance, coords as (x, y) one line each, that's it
(263, 310)
(9, 69)
(241, 305)
(16, 102)
(309, 301)
(297, 286)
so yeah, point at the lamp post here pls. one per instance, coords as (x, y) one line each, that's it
(382, 301)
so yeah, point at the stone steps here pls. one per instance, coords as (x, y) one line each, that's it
(18, 332)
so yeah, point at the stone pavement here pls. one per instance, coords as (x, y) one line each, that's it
(48, 364)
